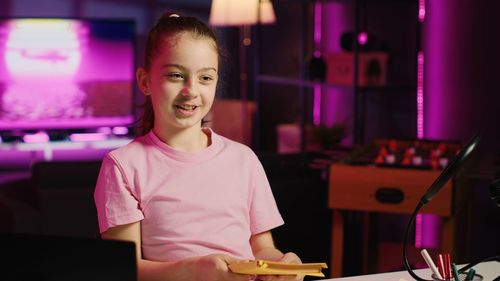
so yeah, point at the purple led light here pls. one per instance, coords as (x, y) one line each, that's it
(427, 231)
(420, 95)
(421, 10)
(420, 115)
(439, 75)
(431, 234)
(426, 226)
(317, 24)
(317, 105)
(362, 38)
(418, 231)
(317, 54)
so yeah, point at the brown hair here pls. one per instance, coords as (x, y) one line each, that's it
(169, 25)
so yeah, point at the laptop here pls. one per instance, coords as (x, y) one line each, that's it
(33, 257)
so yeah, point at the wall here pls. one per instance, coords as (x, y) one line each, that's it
(462, 62)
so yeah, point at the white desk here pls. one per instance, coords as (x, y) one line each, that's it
(489, 270)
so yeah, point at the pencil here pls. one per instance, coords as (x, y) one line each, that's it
(455, 271)
(441, 266)
(470, 275)
(447, 265)
(430, 263)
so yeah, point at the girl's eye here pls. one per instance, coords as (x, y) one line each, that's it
(206, 79)
(176, 76)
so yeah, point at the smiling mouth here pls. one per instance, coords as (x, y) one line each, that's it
(186, 107)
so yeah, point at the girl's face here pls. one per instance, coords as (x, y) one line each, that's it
(182, 81)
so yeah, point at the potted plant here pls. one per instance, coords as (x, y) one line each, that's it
(328, 136)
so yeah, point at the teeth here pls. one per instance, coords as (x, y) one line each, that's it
(187, 107)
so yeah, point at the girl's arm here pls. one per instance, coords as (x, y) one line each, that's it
(211, 267)
(263, 248)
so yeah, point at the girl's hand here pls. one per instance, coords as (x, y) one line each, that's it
(215, 268)
(287, 258)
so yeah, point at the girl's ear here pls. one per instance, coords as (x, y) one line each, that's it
(142, 78)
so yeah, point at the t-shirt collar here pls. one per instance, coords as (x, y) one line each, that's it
(192, 157)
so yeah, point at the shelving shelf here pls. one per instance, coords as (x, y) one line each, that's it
(270, 79)
(394, 99)
(278, 80)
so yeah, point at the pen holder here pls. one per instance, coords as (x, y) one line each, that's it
(462, 276)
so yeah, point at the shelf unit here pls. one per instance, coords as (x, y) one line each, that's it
(292, 90)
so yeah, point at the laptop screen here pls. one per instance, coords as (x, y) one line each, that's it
(52, 258)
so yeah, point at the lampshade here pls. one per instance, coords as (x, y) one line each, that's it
(239, 12)
(266, 12)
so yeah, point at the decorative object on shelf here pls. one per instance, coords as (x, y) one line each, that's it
(372, 61)
(372, 70)
(289, 138)
(328, 136)
(367, 42)
(317, 69)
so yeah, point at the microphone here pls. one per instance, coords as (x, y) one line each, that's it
(435, 187)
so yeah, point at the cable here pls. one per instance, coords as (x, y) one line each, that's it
(472, 264)
(405, 240)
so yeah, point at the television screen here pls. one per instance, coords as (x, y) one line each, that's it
(60, 73)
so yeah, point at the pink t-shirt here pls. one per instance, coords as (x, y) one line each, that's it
(189, 204)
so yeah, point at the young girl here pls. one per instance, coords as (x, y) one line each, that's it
(191, 200)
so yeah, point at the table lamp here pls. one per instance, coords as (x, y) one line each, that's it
(239, 13)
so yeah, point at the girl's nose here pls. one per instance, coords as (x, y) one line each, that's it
(189, 89)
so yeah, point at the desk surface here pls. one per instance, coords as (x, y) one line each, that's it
(489, 270)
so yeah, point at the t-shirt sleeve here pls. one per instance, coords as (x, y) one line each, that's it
(114, 199)
(264, 213)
